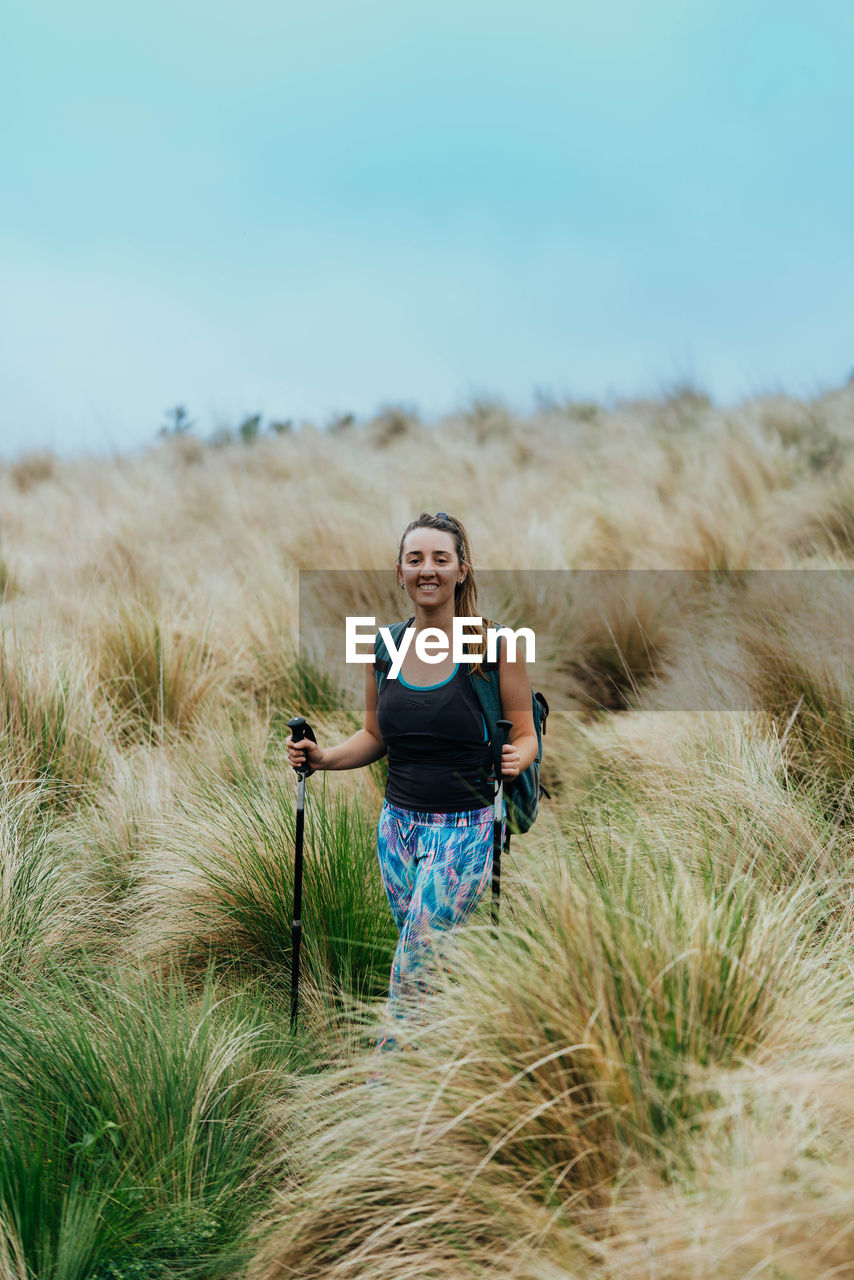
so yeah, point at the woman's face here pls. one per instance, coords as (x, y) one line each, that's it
(430, 567)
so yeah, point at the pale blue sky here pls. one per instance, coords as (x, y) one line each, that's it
(302, 210)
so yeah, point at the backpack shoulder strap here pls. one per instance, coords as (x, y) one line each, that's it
(382, 659)
(488, 691)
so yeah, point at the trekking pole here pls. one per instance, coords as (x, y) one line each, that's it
(502, 736)
(300, 729)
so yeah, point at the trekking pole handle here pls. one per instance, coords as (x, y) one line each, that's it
(501, 738)
(300, 728)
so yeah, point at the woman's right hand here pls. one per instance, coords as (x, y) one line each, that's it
(304, 752)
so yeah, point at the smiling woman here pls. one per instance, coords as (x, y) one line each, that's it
(435, 836)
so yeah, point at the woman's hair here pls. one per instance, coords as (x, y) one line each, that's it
(465, 592)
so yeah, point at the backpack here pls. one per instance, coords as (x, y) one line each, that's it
(522, 794)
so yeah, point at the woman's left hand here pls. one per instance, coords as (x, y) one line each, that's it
(511, 761)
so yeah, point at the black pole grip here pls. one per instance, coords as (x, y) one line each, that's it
(300, 728)
(502, 736)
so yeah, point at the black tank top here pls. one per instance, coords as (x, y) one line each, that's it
(437, 745)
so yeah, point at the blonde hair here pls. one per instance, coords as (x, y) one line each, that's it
(465, 592)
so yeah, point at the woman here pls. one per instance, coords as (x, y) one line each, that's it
(436, 827)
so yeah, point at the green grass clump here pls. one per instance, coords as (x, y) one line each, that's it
(41, 917)
(238, 837)
(136, 1138)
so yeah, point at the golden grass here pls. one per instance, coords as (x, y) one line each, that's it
(646, 1077)
(569, 1063)
(156, 675)
(771, 1188)
(50, 737)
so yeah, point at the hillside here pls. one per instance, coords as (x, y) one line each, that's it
(647, 1073)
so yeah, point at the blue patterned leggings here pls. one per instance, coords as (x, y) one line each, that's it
(436, 867)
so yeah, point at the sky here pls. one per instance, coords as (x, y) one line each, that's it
(306, 210)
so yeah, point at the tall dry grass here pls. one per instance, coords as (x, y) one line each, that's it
(50, 735)
(156, 674)
(570, 1062)
(645, 1074)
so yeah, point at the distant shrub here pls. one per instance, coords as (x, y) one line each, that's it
(826, 451)
(683, 405)
(489, 417)
(281, 427)
(179, 422)
(689, 395)
(393, 422)
(249, 428)
(341, 422)
(583, 410)
(550, 404)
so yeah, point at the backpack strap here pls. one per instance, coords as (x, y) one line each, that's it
(490, 667)
(488, 693)
(488, 690)
(382, 658)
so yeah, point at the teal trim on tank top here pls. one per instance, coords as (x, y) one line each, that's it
(422, 688)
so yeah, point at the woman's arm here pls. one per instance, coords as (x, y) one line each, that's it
(364, 747)
(515, 689)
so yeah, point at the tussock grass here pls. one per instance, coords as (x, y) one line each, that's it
(617, 636)
(107, 842)
(157, 675)
(564, 1061)
(50, 741)
(42, 915)
(603, 636)
(646, 1075)
(795, 632)
(135, 1130)
(771, 1190)
(829, 526)
(222, 884)
(721, 792)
